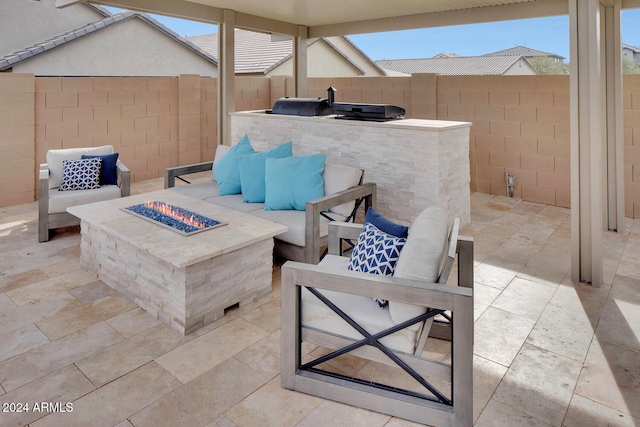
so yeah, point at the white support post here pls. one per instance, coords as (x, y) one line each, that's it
(226, 75)
(613, 119)
(587, 143)
(300, 62)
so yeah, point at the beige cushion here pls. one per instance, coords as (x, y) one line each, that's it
(198, 190)
(362, 309)
(55, 158)
(221, 150)
(235, 202)
(295, 220)
(59, 201)
(338, 178)
(422, 257)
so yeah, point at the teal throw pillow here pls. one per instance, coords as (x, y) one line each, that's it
(292, 181)
(252, 170)
(226, 169)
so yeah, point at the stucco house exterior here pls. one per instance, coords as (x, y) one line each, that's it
(261, 54)
(86, 40)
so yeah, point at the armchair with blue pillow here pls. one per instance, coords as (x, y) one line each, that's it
(76, 176)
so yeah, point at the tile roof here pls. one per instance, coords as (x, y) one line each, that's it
(11, 59)
(524, 51)
(494, 65)
(258, 53)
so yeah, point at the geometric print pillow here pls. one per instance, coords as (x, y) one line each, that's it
(376, 252)
(80, 174)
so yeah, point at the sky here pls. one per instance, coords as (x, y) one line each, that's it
(545, 34)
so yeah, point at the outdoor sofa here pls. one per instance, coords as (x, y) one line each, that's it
(344, 192)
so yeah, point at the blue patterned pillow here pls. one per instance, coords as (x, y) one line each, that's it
(81, 174)
(376, 252)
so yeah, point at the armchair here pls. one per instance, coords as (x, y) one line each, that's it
(53, 204)
(330, 306)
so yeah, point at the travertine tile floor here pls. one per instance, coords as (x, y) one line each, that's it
(548, 352)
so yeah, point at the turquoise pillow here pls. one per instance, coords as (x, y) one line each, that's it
(226, 169)
(292, 181)
(252, 171)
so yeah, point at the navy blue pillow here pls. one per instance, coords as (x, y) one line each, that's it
(383, 224)
(108, 173)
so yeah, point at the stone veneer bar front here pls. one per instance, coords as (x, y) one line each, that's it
(185, 281)
(415, 163)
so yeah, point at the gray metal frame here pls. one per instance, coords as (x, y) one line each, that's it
(457, 300)
(47, 221)
(311, 251)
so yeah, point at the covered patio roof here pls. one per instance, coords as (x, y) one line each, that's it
(597, 170)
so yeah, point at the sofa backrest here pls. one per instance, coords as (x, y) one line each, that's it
(55, 158)
(338, 178)
(421, 257)
(221, 150)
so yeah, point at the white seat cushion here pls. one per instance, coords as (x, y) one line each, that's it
(235, 202)
(55, 158)
(362, 309)
(295, 220)
(59, 201)
(198, 190)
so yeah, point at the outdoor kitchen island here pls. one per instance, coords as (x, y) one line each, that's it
(414, 163)
(185, 281)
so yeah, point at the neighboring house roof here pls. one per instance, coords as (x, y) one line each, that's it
(454, 66)
(446, 55)
(11, 59)
(258, 53)
(634, 49)
(527, 52)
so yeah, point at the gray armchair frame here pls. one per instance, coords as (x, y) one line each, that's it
(455, 302)
(47, 221)
(311, 251)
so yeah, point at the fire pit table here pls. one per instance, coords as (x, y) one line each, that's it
(185, 279)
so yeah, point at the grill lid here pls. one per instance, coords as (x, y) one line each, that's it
(302, 107)
(359, 111)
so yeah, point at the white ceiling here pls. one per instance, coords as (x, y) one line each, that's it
(323, 12)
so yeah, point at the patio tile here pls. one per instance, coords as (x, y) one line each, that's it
(564, 332)
(64, 385)
(585, 413)
(346, 364)
(221, 421)
(133, 322)
(266, 316)
(581, 298)
(500, 334)
(610, 377)
(263, 356)
(20, 340)
(496, 272)
(545, 268)
(336, 414)
(545, 395)
(14, 281)
(273, 406)
(497, 414)
(19, 317)
(517, 250)
(50, 357)
(486, 377)
(524, 298)
(128, 355)
(60, 268)
(116, 401)
(207, 351)
(200, 402)
(91, 292)
(620, 324)
(483, 297)
(79, 318)
(40, 290)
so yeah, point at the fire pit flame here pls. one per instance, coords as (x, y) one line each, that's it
(177, 214)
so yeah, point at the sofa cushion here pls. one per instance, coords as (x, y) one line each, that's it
(338, 178)
(108, 171)
(421, 257)
(295, 220)
(235, 202)
(83, 174)
(362, 309)
(221, 150)
(252, 171)
(226, 169)
(383, 224)
(55, 158)
(292, 181)
(198, 190)
(59, 201)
